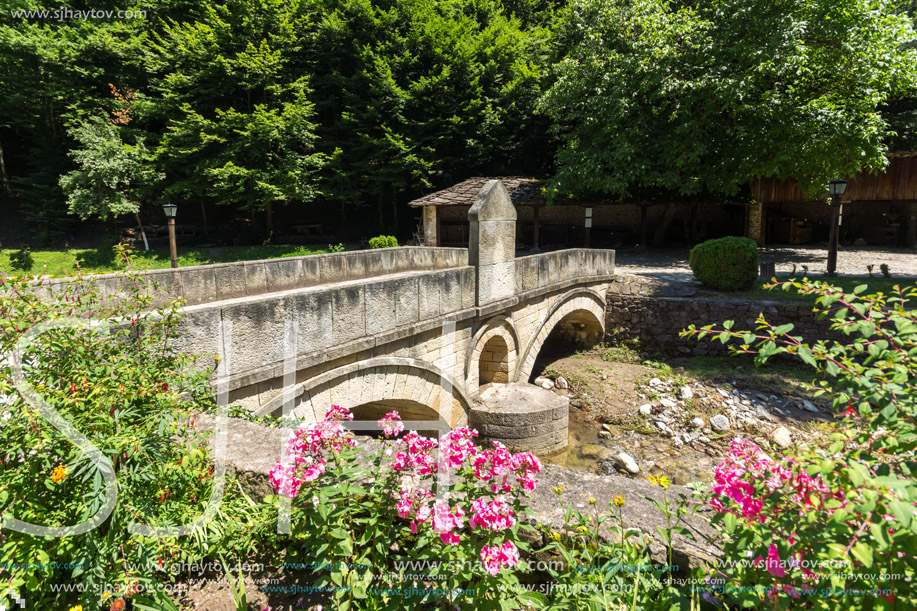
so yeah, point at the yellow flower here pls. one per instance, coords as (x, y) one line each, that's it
(660, 480)
(76, 608)
(618, 500)
(105, 594)
(558, 489)
(592, 500)
(59, 473)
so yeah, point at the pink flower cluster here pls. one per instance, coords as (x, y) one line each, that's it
(308, 448)
(391, 424)
(746, 464)
(457, 447)
(416, 458)
(445, 520)
(414, 504)
(497, 465)
(496, 515)
(495, 557)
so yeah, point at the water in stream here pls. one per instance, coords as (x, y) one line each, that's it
(654, 454)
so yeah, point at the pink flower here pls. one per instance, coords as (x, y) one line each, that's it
(457, 447)
(494, 464)
(445, 519)
(391, 424)
(284, 480)
(496, 515)
(494, 558)
(337, 413)
(525, 466)
(773, 564)
(417, 457)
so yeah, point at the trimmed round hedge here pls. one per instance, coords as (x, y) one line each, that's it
(728, 264)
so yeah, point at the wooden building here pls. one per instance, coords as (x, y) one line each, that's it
(877, 209)
(605, 224)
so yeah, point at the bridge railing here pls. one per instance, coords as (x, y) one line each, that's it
(205, 283)
(562, 267)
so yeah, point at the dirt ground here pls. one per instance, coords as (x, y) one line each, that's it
(608, 385)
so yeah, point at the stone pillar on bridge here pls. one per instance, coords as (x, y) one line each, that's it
(492, 243)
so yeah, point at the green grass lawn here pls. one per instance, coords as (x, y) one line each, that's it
(875, 285)
(101, 260)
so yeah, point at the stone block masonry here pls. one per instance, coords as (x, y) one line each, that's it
(657, 321)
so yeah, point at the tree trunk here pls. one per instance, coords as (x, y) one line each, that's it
(204, 217)
(394, 209)
(4, 178)
(643, 233)
(659, 237)
(146, 244)
(269, 215)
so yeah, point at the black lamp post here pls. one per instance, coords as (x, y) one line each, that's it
(171, 210)
(836, 188)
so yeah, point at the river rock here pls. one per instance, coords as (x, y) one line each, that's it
(646, 410)
(781, 436)
(668, 403)
(561, 383)
(809, 406)
(686, 393)
(698, 423)
(627, 462)
(720, 422)
(655, 382)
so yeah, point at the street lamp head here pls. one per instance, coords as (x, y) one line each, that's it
(837, 187)
(170, 210)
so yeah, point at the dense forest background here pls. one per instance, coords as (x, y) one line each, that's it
(252, 113)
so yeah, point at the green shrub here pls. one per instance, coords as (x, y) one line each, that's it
(817, 515)
(22, 259)
(728, 264)
(383, 241)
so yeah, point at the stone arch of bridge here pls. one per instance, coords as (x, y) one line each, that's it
(585, 306)
(383, 381)
(497, 333)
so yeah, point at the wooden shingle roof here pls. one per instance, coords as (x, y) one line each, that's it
(522, 191)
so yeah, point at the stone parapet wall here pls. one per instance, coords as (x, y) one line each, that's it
(553, 268)
(207, 283)
(657, 321)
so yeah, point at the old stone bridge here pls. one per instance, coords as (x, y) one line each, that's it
(415, 329)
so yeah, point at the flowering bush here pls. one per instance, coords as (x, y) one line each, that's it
(804, 531)
(349, 516)
(120, 389)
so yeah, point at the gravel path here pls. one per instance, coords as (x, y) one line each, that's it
(672, 264)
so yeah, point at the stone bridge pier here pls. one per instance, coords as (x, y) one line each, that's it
(416, 329)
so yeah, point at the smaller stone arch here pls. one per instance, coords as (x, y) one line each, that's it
(498, 332)
(585, 303)
(378, 381)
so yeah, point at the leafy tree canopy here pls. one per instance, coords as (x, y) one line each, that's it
(705, 96)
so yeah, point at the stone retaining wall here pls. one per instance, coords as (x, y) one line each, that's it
(657, 321)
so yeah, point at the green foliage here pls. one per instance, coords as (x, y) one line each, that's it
(383, 241)
(703, 97)
(845, 509)
(620, 574)
(22, 259)
(110, 174)
(728, 264)
(120, 389)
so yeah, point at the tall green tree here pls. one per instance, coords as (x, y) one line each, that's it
(111, 177)
(233, 103)
(705, 96)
